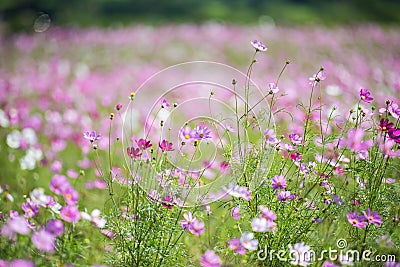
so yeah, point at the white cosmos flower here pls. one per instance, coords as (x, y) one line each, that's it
(248, 242)
(14, 139)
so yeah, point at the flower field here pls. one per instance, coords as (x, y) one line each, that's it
(208, 145)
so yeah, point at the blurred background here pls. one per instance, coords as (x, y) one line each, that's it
(18, 15)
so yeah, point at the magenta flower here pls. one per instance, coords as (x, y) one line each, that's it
(55, 227)
(210, 259)
(235, 212)
(71, 195)
(59, 184)
(43, 241)
(143, 143)
(30, 208)
(284, 196)
(236, 246)
(165, 104)
(196, 227)
(355, 220)
(295, 139)
(278, 182)
(268, 214)
(118, 107)
(92, 136)
(394, 134)
(385, 125)
(165, 146)
(133, 152)
(168, 202)
(202, 132)
(259, 46)
(187, 222)
(373, 217)
(365, 96)
(70, 214)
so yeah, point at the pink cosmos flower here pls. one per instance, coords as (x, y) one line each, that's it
(210, 259)
(365, 95)
(235, 212)
(295, 139)
(355, 220)
(55, 227)
(236, 246)
(143, 143)
(285, 195)
(187, 222)
(187, 134)
(133, 152)
(372, 217)
(71, 195)
(70, 214)
(59, 184)
(196, 227)
(21, 263)
(165, 146)
(268, 214)
(43, 241)
(30, 208)
(202, 132)
(278, 182)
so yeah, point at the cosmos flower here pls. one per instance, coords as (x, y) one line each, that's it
(278, 182)
(263, 225)
(202, 132)
(70, 214)
(259, 46)
(210, 259)
(143, 143)
(355, 220)
(165, 146)
(365, 96)
(247, 240)
(372, 217)
(43, 241)
(235, 212)
(189, 219)
(196, 227)
(284, 196)
(54, 227)
(267, 214)
(270, 137)
(92, 136)
(235, 245)
(133, 152)
(187, 134)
